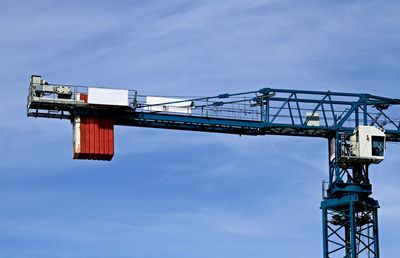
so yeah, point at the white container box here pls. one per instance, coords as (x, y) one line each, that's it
(110, 97)
(161, 105)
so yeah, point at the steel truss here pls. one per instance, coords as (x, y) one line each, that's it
(350, 220)
(350, 227)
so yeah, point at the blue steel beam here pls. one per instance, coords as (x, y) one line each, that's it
(262, 112)
(348, 211)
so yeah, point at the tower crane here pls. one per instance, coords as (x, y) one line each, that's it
(356, 127)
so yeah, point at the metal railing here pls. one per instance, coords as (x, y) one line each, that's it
(298, 109)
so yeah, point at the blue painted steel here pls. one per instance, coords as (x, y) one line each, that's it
(348, 211)
(350, 227)
(268, 110)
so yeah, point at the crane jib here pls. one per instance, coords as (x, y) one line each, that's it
(356, 127)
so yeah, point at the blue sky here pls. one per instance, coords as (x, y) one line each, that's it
(183, 194)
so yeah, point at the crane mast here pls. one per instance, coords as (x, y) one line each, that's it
(356, 126)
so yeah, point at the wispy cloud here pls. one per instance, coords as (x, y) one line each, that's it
(199, 195)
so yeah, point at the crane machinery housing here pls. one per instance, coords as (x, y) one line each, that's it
(356, 126)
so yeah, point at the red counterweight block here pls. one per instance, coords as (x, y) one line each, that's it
(93, 138)
(83, 96)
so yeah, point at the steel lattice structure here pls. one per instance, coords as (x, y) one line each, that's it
(349, 214)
